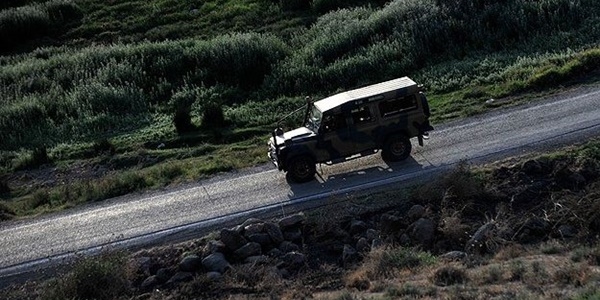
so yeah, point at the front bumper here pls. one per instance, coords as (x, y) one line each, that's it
(272, 153)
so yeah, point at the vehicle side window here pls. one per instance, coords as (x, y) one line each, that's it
(361, 115)
(333, 122)
(398, 105)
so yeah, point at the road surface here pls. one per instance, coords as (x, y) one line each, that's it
(131, 221)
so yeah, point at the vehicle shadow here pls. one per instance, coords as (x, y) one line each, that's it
(339, 176)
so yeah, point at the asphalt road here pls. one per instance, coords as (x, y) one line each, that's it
(573, 116)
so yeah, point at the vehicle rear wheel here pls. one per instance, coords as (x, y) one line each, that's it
(301, 169)
(396, 148)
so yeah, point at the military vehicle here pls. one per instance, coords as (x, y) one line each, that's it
(352, 124)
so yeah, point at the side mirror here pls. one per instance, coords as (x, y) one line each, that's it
(279, 131)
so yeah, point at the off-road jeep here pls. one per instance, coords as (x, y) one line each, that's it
(348, 125)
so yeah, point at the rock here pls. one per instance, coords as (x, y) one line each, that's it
(232, 239)
(531, 167)
(415, 212)
(534, 230)
(291, 221)
(362, 245)
(216, 262)
(251, 221)
(566, 231)
(275, 253)
(376, 243)
(454, 255)
(372, 234)
(293, 260)
(478, 242)
(391, 224)
(423, 231)
(405, 240)
(163, 274)
(150, 283)
(144, 265)
(357, 226)
(250, 249)
(190, 263)
(274, 232)
(180, 277)
(257, 260)
(261, 238)
(254, 229)
(287, 246)
(349, 255)
(214, 276)
(216, 246)
(293, 235)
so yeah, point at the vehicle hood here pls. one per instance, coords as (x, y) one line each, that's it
(294, 135)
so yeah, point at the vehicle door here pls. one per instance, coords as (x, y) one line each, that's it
(362, 128)
(334, 136)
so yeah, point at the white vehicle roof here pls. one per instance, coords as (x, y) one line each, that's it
(387, 89)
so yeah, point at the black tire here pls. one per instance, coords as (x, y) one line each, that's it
(301, 169)
(396, 148)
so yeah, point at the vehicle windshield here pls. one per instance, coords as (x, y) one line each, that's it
(314, 119)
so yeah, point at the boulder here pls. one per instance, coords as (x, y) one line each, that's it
(349, 255)
(163, 274)
(376, 243)
(423, 231)
(293, 260)
(190, 263)
(454, 256)
(251, 221)
(214, 276)
(287, 246)
(292, 221)
(416, 212)
(257, 260)
(254, 229)
(371, 234)
(150, 283)
(390, 223)
(362, 245)
(232, 239)
(357, 226)
(180, 277)
(293, 235)
(216, 262)
(566, 231)
(216, 246)
(250, 249)
(261, 238)
(274, 232)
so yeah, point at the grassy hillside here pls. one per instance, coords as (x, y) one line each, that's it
(117, 92)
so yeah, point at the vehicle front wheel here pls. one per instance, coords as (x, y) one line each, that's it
(396, 148)
(301, 169)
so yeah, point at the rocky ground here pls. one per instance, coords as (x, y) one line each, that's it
(521, 229)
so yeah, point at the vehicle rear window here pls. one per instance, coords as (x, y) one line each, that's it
(395, 106)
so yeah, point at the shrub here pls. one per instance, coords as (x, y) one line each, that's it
(4, 188)
(102, 277)
(6, 213)
(182, 103)
(449, 275)
(385, 262)
(291, 5)
(212, 116)
(22, 24)
(103, 146)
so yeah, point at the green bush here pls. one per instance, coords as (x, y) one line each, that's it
(290, 5)
(212, 116)
(100, 277)
(22, 24)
